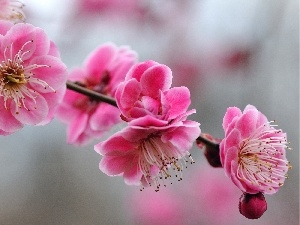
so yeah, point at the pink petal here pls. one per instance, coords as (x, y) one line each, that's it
(53, 99)
(54, 76)
(246, 124)
(115, 143)
(99, 60)
(148, 121)
(114, 165)
(155, 79)
(230, 114)
(104, 117)
(138, 70)
(36, 113)
(21, 33)
(53, 50)
(5, 26)
(133, 175)
(177, 101)
(128, 93)
(183, 137)
(76, 128)
(8, 123)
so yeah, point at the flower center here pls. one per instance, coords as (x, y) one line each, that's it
(100, 87)
(262, 158)
(15, 77)
(159, 160)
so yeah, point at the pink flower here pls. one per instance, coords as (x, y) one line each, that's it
(102, 71)
(11, 10)
(145, 96)
(32, 77)
(253, 151)
(146, 155)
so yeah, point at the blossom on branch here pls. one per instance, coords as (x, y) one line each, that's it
(102, 71)
(11, 10)
(146, 99)
(158, 135)
(147, 155)
(32, 77)
(253, 151)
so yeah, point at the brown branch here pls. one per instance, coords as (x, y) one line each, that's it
(92, 94)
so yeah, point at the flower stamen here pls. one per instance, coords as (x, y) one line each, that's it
(15, 77)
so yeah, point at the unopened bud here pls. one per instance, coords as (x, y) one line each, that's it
(252, 206)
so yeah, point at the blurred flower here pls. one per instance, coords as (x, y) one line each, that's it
(164, 207)
(103, 70)
(115, 7)
(32, 77)
(252, 206)
(11, 10)
(205, 193)
(253, 151)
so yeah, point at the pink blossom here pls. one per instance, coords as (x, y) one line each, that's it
(11, 10)
(146, 155)
(102, 71)
(32, 77)
(146, 99)
(253, 151)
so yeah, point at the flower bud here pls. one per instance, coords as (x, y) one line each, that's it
(252, 206)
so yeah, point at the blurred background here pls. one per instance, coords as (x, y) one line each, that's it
(229, 53)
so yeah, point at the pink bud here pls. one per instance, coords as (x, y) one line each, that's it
(252, 206)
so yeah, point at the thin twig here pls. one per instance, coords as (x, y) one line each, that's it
(90, 93)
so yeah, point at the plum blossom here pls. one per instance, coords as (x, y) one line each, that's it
(32, 77)
(102, 71)
(253, 151)
(146, 99)
(11, 10)
(158, 135)
(147, 155)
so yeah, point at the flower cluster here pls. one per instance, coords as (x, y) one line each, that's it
(102, 71)
(155, 144)
(158, 135)
(32, 77)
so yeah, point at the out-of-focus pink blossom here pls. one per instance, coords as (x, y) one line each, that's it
(11, 10)
(117, 7)
(206, 197)
(147, 155)
(102, 71)
(146, 99)
(32, 77)
(252, 206)
(253, 151)
(148, 207)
